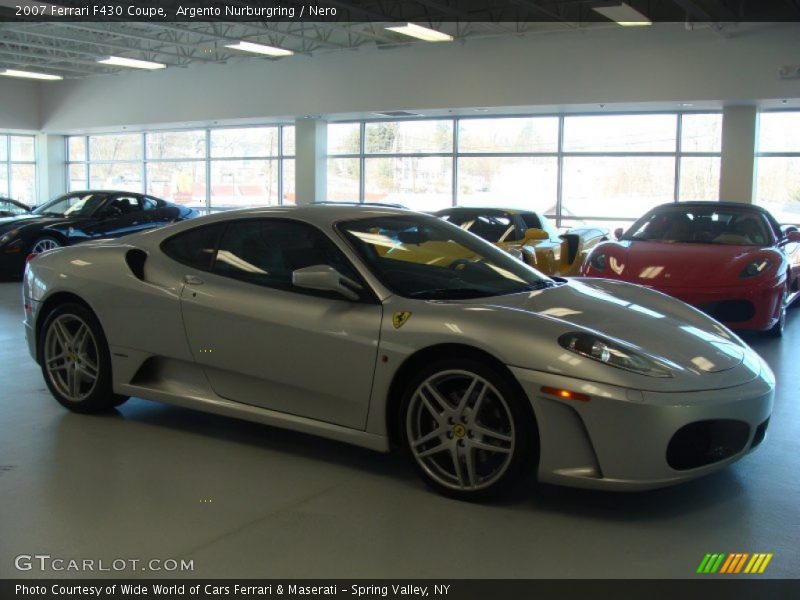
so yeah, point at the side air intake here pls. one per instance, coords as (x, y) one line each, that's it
(135, 259)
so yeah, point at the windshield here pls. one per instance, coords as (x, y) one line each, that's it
(706, 225)
(423, 257)
(81, 205)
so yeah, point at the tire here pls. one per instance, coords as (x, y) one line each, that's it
(45, 243)
(467, 430)
(777, 330)
(75, 361)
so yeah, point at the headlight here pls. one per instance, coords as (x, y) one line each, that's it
(755, 268)
(8, 236)
(599, 261)
(612, 354)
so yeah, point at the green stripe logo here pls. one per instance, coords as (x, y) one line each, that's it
(732, 563)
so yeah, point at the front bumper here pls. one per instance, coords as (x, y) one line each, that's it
(754, 307)
(620, 439)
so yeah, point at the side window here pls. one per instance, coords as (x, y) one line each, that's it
(532, 221)
(122, 205)
(194, 248)
(149, 203)
(266, 252)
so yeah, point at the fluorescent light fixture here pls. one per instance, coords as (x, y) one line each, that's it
(259, 49)
(30, 75)
(120, 61)
(623, 14)
(422, 33)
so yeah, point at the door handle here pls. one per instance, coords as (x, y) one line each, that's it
(192, 280)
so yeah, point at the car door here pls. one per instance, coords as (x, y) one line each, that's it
(263, 342)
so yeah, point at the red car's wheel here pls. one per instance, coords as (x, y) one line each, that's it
(777, 329)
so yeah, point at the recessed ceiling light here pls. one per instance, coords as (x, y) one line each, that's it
(30, 75)
(686, 104)
(259, 49)
(481, 110)
(121, 61)
(422, 33)
(397, 113)
(623, 14)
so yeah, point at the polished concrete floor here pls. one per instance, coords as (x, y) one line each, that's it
(245, 500)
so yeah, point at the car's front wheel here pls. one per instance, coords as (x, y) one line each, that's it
(779, 327)
(468, 431)
(75, 360)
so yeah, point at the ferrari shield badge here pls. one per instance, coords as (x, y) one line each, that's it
(399, 318)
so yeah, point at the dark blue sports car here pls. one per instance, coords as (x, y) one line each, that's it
(79, 216)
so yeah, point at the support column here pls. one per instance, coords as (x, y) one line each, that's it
(310, 172)
(51, 166)
(737, 171)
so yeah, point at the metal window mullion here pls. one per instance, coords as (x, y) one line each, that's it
(143, 167)
(280, 165)
(560, 171)
(208, 170)
(676, 186)
(454, 174)
(362, 163)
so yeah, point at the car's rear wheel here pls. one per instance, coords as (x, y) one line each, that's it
(45, 243)
(75, 360)
(469, 433)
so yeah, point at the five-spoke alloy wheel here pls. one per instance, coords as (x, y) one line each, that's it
(74, 357)
(466, 429)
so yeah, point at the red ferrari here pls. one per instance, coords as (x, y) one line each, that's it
(730, 260)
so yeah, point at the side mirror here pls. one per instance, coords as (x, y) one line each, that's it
(326, 279)
(618, 233)
(535, 235)
(791, 237)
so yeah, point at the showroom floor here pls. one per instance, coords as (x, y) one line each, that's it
(246, 500)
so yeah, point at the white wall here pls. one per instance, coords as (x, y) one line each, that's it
(661, 64)
(19, 105)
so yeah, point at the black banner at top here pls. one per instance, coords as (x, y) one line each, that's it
(565, 12)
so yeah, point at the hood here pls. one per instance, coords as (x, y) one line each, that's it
(677, 264)
(699, 352)
(9, 223)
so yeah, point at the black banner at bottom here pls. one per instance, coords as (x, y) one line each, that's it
(433, 589)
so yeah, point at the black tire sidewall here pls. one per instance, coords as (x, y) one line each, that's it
(523, 462)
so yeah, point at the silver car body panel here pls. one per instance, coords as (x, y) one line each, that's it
(326, 366)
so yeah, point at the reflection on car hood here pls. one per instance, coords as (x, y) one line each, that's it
(653, 323)
(9, 223)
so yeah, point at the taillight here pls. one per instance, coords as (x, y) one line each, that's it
(30, 257)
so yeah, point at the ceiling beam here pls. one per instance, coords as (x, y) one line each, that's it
(102, 44)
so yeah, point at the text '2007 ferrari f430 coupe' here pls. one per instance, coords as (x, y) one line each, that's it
(393, 329)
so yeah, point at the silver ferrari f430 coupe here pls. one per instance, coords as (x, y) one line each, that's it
(392, 329)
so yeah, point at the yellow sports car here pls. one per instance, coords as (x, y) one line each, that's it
(528, 236)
